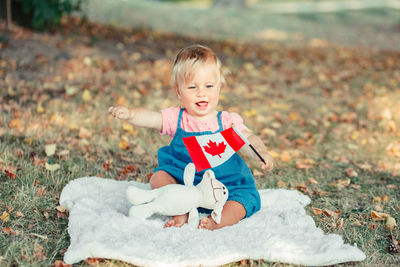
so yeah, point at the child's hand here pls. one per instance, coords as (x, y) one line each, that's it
(269, 164)
(120, 112)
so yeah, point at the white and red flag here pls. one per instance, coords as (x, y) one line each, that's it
(211, 150)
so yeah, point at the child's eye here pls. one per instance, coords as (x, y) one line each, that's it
(192, 87)
(209, 86)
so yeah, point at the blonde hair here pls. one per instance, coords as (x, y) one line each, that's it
(190, 58)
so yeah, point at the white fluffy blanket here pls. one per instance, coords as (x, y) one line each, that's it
(281, 231)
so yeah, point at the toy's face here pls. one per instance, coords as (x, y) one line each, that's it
(215, 193)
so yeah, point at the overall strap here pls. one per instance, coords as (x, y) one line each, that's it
(179, 118)
(221, 127)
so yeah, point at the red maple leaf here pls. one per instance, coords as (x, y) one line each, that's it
(215, 149)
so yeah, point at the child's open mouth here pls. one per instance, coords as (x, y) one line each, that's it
(202, 104)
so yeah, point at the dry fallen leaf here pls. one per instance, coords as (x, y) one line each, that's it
(390, 223)
(52, 167)
(19, 214)
(50, 149)
(385, 198)
(62, 208)
(257, 173)
(312, 181)
(330, 213)
(124, 145)
(86, 96)
(10, 171)
(60, 263)
(285, 156)
(84, 133)
(8, 231)
(5, 216)
(38, 253)
(130, 129)
(41, 192)
(305, 164)
(281, 184)
(351, 172)
(317, 211)
(373, 226)
(340, 224)
(376, 199)
(379, 216)
(92, 261)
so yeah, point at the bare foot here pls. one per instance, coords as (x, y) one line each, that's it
(208, 223)
(177, 221)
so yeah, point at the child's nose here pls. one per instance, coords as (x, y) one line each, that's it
(201, 91)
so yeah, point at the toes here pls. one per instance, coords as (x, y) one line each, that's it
(203, 223)
(169, 223)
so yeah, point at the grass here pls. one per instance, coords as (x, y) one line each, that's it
(333, 106)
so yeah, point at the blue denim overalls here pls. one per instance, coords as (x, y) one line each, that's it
(234, 173)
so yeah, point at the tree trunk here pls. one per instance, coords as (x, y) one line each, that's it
(9, 18)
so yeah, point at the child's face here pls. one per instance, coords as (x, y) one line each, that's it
(199, 93)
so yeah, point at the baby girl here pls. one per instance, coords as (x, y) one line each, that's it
(197, 81)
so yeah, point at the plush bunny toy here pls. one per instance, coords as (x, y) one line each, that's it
(177, 199)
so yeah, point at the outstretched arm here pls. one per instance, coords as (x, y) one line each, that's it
(259, 146)
(138, 116)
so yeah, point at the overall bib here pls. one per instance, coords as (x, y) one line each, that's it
(233, 173)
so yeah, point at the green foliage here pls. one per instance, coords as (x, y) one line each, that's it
(46, 14)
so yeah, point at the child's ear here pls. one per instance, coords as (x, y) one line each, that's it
(176, 88)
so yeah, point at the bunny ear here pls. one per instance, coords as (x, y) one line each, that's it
(216, 214)
(188, 174)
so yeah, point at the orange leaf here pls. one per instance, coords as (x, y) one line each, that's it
(340, 224)
(379, 216)
(124, 145)
(19, 214)
(84, 133)
(312, 181)
(41, 192)
(385, 198)
(38, 253)
(92, 261)
(16, 124)
(351, 172)
(317, 211)
(10, 171)
(106, 166)
(376, 199)
(62, 209)
(281, 184)
(285, 156)
(330, 213)
(8, 231)
(60, 263)
(373, 226)
(305, 164)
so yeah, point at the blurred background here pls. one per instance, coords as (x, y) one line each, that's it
(370, 23)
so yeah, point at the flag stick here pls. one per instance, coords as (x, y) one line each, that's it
(248, 143)
(258, 155)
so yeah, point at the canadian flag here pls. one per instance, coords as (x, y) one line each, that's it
(211, 150)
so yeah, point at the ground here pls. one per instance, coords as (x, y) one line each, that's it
(327, 112)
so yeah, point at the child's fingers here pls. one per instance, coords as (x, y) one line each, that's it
(268, 166)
